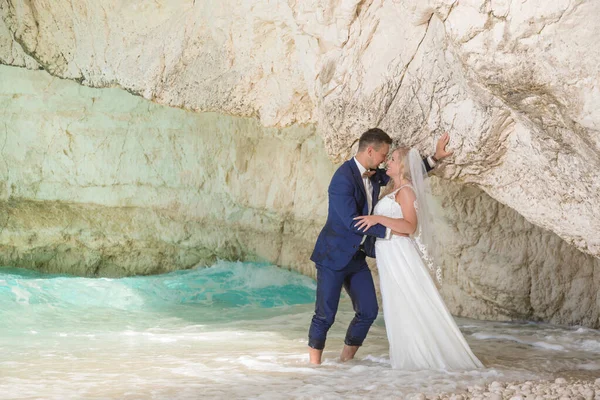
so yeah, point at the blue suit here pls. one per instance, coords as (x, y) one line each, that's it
(340, 257)
(339, 239)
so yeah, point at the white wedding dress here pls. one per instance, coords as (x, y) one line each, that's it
(420, 329)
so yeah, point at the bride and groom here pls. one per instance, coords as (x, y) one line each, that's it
(421, 332)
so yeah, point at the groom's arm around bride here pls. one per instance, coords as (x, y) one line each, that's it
(441, 152)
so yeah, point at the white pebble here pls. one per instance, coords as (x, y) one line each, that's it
(588, 394)
(496, 385)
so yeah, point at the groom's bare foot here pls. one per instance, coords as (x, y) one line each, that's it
(315, 356)
(348, 353)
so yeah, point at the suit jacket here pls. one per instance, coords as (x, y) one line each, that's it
(339, 239)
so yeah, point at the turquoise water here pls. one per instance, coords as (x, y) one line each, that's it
(225, 292)
(234, 330)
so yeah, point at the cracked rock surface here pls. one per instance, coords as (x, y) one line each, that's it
(98, 182)
(516, 83)
(100, 175)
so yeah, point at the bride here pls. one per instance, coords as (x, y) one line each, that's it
(420, 329)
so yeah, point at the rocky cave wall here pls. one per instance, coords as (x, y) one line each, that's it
(262, 99)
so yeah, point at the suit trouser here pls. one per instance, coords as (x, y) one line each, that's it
(356, 278)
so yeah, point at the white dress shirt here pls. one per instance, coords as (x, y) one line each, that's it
(367, 183)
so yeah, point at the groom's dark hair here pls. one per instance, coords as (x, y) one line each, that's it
(373, 137)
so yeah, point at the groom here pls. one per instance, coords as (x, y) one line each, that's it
(341, 248)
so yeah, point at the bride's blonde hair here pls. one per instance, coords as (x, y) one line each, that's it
(403, 155)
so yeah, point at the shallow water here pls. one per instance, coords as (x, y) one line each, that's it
(234, 330)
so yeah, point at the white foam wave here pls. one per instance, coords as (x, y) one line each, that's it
(540, 344)
(592, 366)
(591, 345)
(548, 346)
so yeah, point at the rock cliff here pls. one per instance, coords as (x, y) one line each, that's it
(265, 98)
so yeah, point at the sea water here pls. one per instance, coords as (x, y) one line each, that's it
(234, 330)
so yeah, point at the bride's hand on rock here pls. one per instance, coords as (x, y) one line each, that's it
(364, 222)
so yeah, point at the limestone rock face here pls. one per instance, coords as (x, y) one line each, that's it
(497, 265)
(515, 83)
(98, 182)
(272, 95)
